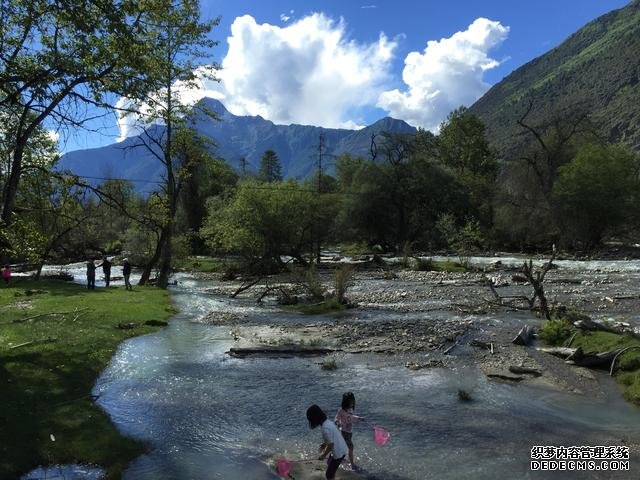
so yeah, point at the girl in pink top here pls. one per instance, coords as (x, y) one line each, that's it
(344, 420)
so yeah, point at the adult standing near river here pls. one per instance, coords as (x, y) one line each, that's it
(126, 273)
(106, 270)
(91, 275)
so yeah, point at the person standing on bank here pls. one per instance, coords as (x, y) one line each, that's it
(126, 273)
(106, 270)
(6, 274)
(333, 442)
(91, 275)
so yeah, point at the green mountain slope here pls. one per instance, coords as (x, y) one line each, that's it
(595, 70)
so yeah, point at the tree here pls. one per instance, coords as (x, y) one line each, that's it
(462, 146)
(180, 41)
(596, 193)
(211, 177)
(57, 59)
(270, 169)
(264, 224)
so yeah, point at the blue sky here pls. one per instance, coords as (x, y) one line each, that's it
(341, 63)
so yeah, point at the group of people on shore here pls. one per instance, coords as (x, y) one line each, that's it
(337, 435)
(106, 270)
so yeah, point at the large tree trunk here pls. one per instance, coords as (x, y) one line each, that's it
(148, 268)
(11, 187)
(165, 257)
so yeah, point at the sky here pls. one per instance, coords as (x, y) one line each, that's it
(346, 64)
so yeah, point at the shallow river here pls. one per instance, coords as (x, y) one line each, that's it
(209, 416)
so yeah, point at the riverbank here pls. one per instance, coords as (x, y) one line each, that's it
(55, 339)
(426, 318)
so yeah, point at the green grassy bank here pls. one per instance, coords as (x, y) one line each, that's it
(46, 413)
(558, 332)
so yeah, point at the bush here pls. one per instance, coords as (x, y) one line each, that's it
(329, 365)
(423, 265)
(556, 332)
(310, 281)
(342, 281)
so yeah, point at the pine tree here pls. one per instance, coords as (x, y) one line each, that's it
(270, 169)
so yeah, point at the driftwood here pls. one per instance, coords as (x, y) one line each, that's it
(451, 347)
(525, 370)
(590, 325)
(598, 360)
(613, 362)
(562, 352)
(35, 342)
(41, 315)
(245, 286)
(509, 378)
(524, 337)
(481, 344)
(287, 351)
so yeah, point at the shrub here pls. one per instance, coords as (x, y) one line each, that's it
(329, 365)
(555, 332)
(423, 265)
(342, 281)
(310, 281)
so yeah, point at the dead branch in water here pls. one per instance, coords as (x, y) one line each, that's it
(246, 285)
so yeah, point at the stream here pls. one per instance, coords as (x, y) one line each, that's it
(206, 415)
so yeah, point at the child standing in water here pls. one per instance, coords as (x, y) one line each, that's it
(344, 420)
(333, 442)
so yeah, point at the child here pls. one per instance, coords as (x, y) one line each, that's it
(333, 442)
(6, 274)
(344, 419)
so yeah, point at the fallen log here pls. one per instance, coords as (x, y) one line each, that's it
(508, 378)
(525, 371)
(590, 325)
(598, 360)
(524, 337)
(481, 344)
(613, 362)
(288, 351)
(562, 352)
(455, 344)
(34, 342)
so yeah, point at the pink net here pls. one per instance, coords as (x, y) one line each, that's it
(380, 436)
(284, 466)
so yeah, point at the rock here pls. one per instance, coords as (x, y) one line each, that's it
(429, 364)
(505, 376)
(156, 323)
(126, 326)
(525, 370)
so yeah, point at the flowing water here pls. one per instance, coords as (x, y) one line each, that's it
(209, 416)
(206, 415)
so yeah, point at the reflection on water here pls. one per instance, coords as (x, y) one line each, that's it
(208, 416)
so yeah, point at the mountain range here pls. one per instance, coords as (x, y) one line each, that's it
(235, 137)
(595, 70)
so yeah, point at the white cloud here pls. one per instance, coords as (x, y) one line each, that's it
(285, 17)
(308, 72)
(369, 6)
(53, 135)
(447, 74)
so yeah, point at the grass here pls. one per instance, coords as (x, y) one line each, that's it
(46, 386)
(331, 305)
(627, 365)
(329, 365)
